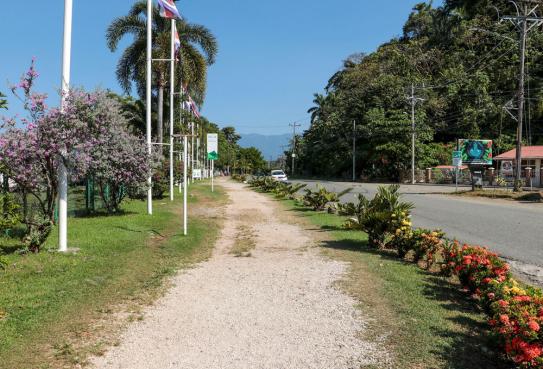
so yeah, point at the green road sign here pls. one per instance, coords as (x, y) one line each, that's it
(457, 158)
(212, 146)
(212, 156)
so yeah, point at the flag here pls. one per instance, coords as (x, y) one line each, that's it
(194, 108)
(168, 9)
(177, 43)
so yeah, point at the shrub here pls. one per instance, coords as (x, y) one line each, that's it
(10, 214)
(287, 191)
(319, 200)
(381, 216)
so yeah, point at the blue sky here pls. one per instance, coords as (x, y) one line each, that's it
(273, 54)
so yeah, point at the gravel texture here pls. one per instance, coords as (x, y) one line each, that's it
(276, 309)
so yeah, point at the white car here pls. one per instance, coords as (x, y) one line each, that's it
(279, 175)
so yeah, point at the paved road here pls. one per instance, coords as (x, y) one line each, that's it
(514, 230)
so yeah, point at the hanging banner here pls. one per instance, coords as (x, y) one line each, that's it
(212, 146)
(476, 152)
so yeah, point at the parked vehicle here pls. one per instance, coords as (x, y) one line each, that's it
(279, 175)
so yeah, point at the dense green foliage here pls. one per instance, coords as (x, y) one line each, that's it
(462, 61)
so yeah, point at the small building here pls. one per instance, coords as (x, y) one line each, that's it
(531, 164)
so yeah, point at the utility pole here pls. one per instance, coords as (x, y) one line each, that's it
(414, 100)
(354, 150)
(525, 20)
(294, 126)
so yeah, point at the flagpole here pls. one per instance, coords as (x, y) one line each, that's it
(62, 171)
(172, 83)
(185, 159)
(149, 102)
(192, 149)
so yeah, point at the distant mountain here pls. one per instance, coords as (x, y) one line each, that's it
(269, 145)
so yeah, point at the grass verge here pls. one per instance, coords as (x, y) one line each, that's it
(56, 310)
(424, 320)
(535, 196)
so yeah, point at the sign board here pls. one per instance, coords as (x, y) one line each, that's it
(506, 168)
(457, 158)
(212, 146)
(476, 152)
(196, 174)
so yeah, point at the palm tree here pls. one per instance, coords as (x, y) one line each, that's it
(316, 111)
(198, 51)
(3, 101)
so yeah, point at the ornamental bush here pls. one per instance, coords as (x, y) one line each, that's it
(89, 135)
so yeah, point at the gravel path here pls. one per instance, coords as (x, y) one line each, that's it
(276, 309)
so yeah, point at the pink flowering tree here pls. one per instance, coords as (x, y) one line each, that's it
(119, 160)
(89, 135)
(32, 147)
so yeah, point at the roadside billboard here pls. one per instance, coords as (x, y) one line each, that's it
(212, 146)
(476, 152)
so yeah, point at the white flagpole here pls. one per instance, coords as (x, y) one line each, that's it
(149, 108)
(172, 83)
(192, 149)
(62, 171)
(185, 184)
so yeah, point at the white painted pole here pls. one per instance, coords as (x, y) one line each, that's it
(212, 176)
(172, 86)
(180, 158)
(185, 162)
(149, 102)
(192, 148)
(62, 171)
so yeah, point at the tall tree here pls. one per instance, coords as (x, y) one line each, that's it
(3, 101)
(198, 51)
(315, 111)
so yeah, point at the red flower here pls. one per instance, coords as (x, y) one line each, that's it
(531, 352)
(491, 295)
(504, 318)
(503, 303)
(533, 326)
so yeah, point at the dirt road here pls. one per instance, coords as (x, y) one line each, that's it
(266, 299)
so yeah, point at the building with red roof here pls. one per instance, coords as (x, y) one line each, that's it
(531, 158)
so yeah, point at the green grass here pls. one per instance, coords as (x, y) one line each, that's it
(53, 306)
(424, 319)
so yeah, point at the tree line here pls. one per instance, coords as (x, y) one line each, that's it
(463, 64)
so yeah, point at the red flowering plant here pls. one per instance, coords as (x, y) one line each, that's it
(476, 267)
(516, 319)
